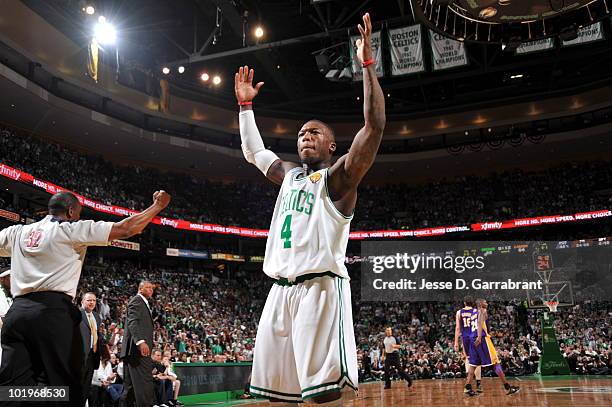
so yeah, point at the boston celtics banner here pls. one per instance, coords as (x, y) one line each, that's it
(406, 50)
(587, 34)
(535, 46)
(447, 53)
(376, 52)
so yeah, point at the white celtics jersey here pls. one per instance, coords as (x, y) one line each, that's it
(307, 234)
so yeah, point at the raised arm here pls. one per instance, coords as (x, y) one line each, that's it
(135, 224)
(251, 142)
(346, 174)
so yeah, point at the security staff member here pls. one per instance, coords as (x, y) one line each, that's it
(41, 339)
(392, 359)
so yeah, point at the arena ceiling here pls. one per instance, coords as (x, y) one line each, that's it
(155, 33)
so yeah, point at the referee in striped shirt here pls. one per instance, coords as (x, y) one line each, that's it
(392, 358)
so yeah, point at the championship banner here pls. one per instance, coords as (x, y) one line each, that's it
(26, 178)
(376, 52)
(406, 50)
(535, 46)
(590, 33)
(447, 53)
(192, 254)
(125, 244)
(12, 216)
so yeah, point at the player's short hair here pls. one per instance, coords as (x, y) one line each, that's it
(327, 126)
(142, 284)
(61, 202)
(469, 301)
(479, 302)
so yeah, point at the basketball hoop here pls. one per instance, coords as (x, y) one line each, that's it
(552, 305)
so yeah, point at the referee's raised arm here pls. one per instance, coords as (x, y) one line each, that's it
(135, 224)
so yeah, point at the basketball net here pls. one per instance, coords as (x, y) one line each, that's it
(552, 305)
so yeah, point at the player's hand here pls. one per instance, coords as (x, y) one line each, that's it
(243, 85)
(364, 44)
(161, 199)
(477, 341)
(144, 349)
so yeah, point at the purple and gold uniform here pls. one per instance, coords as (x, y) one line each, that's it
(485, 353)
(469, 324)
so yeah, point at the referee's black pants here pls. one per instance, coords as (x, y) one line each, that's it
(392, 360)
(42, 345)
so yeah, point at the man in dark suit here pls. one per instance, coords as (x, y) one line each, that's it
(136, 349)
(92, 341)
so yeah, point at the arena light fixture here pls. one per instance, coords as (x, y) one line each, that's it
(90, 10)
(181, 69)
(259, 32)
(216, 80)
(508, 22)
(165, 70)
(105, 33)
(205, 77)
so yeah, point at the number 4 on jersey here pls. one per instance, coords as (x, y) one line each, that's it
(286, 232)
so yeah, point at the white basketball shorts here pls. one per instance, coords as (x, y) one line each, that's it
(305, 345)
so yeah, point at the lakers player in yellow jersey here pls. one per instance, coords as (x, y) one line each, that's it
(305, 346)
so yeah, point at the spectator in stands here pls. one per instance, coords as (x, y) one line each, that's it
(101, 380)
(104, 309)
(176, 383)
(468, 199)
(115, 387)
(162, 381)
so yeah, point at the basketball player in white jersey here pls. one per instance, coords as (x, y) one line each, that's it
(305, 347)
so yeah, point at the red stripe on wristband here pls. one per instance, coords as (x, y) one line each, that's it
(368, 62)
(245, 103)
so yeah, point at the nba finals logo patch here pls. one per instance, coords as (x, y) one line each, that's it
(315, 177)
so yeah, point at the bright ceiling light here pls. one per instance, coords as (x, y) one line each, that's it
(90, 10)
(165, 70)
(101, 19)
(105, 33)
(205, 77)
(181, 69)
(217, 80)
(259, 32)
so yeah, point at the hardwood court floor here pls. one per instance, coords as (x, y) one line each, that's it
(563, 391)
